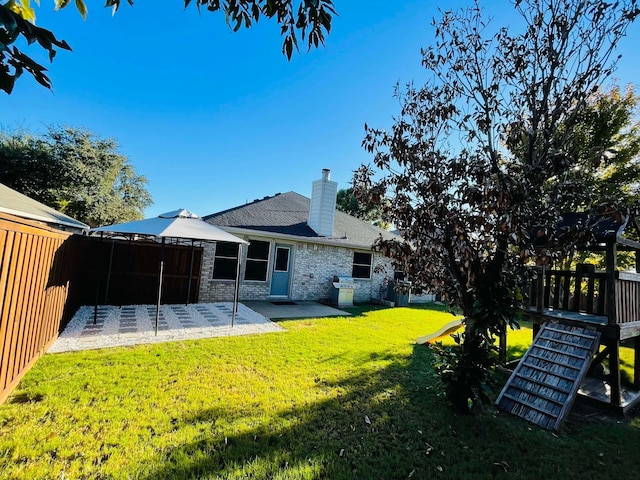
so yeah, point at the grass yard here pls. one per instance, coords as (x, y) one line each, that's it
(338, 398)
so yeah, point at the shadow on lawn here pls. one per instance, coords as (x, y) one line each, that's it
(375, 429)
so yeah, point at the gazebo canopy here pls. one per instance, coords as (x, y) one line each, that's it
(176, 224)
(179, 224)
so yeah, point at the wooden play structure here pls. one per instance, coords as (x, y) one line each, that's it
(581, 318)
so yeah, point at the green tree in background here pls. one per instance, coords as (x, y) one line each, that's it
(606, 139)
(607, 142)
(347, 202)
(305, 19)
(75, 172)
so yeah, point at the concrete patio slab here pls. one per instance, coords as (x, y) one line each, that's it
(298, 309)
(135, 324)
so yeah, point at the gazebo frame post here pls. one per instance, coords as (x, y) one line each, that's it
(160, 285)
(106, 288)
(236, 287)
(190, 273)
(95, 307)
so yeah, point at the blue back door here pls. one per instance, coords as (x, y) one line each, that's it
(281, 271)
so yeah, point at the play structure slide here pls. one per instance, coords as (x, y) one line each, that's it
(448, 329)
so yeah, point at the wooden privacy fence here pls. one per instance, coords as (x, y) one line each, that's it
(46, 274)
(35, 271)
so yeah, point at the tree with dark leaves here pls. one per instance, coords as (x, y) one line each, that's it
(482, 155)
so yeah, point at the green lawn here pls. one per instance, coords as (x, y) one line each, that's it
(350, 398)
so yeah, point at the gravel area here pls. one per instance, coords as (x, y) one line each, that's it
(135, 324)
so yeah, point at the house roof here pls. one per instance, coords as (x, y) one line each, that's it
(15, 203)
(286, 214)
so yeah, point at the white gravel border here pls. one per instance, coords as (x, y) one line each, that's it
(109, 335)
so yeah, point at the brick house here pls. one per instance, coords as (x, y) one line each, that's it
(296, 247)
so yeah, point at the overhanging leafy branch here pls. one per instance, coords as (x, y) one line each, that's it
(308, 19)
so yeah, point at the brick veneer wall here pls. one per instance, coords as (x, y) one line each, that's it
(313, 269)
(315, 266)
(222, 290)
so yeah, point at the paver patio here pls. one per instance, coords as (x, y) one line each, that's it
(135, 324)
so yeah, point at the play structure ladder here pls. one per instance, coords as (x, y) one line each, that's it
(545, 383)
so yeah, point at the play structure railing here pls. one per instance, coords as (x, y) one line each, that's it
(627, 297)
(588, 292)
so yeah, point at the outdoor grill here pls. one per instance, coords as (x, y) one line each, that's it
(342, 291)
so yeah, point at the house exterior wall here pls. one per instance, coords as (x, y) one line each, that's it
(212, 290)
(313, 268)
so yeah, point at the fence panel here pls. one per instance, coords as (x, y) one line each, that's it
(33, 291)
(122, 272)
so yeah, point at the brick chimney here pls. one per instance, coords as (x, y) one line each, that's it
(322, 211)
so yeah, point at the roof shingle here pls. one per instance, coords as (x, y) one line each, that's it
(287, 214)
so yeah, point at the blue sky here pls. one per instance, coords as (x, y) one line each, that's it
(213, 118)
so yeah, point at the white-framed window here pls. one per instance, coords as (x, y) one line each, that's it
(257, 263)
(362, 265)
(225, 262)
